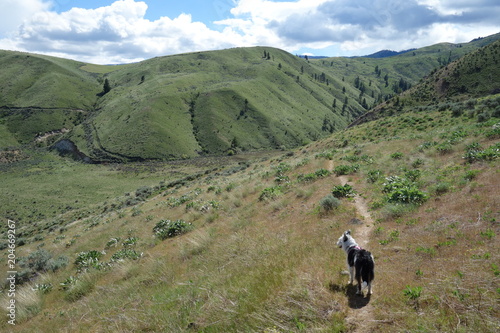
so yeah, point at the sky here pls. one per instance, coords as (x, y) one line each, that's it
(124, 31)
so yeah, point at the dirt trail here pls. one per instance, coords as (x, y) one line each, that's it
(360, 317)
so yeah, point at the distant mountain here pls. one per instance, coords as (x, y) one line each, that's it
(386, 53)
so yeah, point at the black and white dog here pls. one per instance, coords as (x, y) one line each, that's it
(359, 260)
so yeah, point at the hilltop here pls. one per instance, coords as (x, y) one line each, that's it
(199, 104)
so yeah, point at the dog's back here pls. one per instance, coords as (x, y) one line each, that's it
(365, 266)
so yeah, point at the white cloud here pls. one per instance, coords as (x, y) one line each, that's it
(14, 12)
(121, 33)
(116, 33)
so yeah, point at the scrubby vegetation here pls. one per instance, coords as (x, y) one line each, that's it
(247, 242)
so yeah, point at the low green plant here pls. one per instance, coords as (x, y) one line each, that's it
(66, 284)
(413, 294)
(374, 175)
(474, 152)
(168, 229)
(89, 259)
(402, 190)
(343, 191)
(345, 169)
(397, 155)
(44, 288)
(271, 193)
(489, 233)
(321, 173)
(130, 241)
(126, 254)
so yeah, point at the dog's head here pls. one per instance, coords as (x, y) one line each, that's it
(345, 240)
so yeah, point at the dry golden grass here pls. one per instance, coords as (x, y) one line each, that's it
(272, 265)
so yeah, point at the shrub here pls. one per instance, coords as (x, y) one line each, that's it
(126, 254)
(309, 177)
(329, 203)
(412, 175)
(79, 288)
(88, 259)
(168, 229)
(143, 193)
(403, 190)
(40, 261)
(374, 175)
(474, 153)
(270, 193)
(343, 191)
(397, 155)
(441, 188)
(345, 169)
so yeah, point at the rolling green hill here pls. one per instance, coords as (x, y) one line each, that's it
(471, 76)
(246, 243)
(203, 103)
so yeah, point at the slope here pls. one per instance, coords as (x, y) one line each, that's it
(213, 103)
(250, 247)
(40, 94)
(256, 249)
(474, 75)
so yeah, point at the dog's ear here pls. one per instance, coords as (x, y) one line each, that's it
(348, 232)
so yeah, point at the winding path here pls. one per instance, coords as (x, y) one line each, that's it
(360, 317)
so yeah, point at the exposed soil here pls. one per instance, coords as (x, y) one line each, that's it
(360, 317)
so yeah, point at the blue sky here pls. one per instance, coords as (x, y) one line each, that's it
(120, 31)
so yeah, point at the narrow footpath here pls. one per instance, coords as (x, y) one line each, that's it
(360, 316)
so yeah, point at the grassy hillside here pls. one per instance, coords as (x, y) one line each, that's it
(204, 103)
(212, 103)
(454, 86)
(258, 253)
(247, 243)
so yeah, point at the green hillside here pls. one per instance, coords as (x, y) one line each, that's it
(246, 243)
(213, 103)
(455, 86)
(204, 103)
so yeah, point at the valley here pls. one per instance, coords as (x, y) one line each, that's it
(218, 183)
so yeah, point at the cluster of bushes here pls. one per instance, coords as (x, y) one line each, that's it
(40, 261)
(271, 193)
(309, 177)
(403, 190)
(474, 152)
(168, 229)
(345, 169)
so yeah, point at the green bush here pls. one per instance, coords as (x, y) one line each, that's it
(474, 153)
(126, 254)
(403, 190)
(374, 175)
(345, 169)
(270, 193)
(329, 203)
(343, 191)
(309, 177)
(397, 155)
(168, 229)
(89, 259)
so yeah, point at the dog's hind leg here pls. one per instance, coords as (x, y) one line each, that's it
(370, 288)
(360, 284)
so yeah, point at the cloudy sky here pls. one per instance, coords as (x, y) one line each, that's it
(119, 31)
